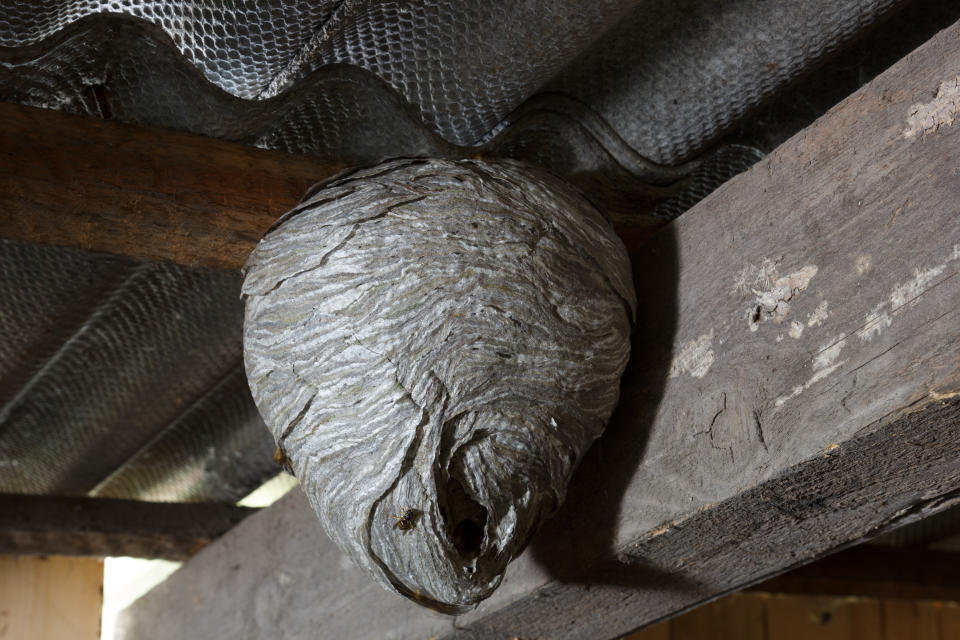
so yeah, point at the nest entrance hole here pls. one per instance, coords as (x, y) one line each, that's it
(466, 520)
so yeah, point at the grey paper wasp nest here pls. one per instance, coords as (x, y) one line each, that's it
(434, 345)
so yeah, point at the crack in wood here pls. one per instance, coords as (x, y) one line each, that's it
(844, 399)
(713, 421)
(758, 427)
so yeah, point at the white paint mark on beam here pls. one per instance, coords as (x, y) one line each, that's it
(824, 363)
(874, 323)
(796, 330)
(797, 390)
(926, 118)
(902, 294)
(695, 357)
(752, 276)
(819, 315)
(910, 290)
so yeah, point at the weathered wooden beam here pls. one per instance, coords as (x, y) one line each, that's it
(875, 571)
(794, 387)
(142, 192)
(52, 525)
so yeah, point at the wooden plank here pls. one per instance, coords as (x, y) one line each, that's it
(736, 617)
(949, 621)
(107, 527)
(927, 621)
(659, 631)
(787, 617)
(803, 617)
(875, 571)
(142, 192)
(50, 598)
(794, 387)
(862, 618)
(907, 619)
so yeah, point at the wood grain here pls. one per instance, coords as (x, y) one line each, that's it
(108, 527)
(803, 617)
(142, 192)
(50, 598)
(733, 618)
(782, 617)
(949, 621)
(875, 571)
(794, 388)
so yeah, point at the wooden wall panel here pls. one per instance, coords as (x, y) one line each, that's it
(949, 620)
(803, 617)
(50, 598)
(732, 618)
(756, 616)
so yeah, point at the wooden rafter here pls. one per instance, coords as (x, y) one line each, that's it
(142, 192)
(52, 525)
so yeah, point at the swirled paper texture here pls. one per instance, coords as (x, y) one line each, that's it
(434, 345)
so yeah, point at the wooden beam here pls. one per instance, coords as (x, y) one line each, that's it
(50, 598)
(142, 192)
(794, 387)
(51, 525)
(875, 571)
(156, 194)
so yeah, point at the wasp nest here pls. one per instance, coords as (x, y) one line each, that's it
(434, 345)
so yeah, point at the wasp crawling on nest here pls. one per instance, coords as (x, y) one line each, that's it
(408, 521)
(281, 460)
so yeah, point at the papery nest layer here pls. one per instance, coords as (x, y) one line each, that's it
(434, 345)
